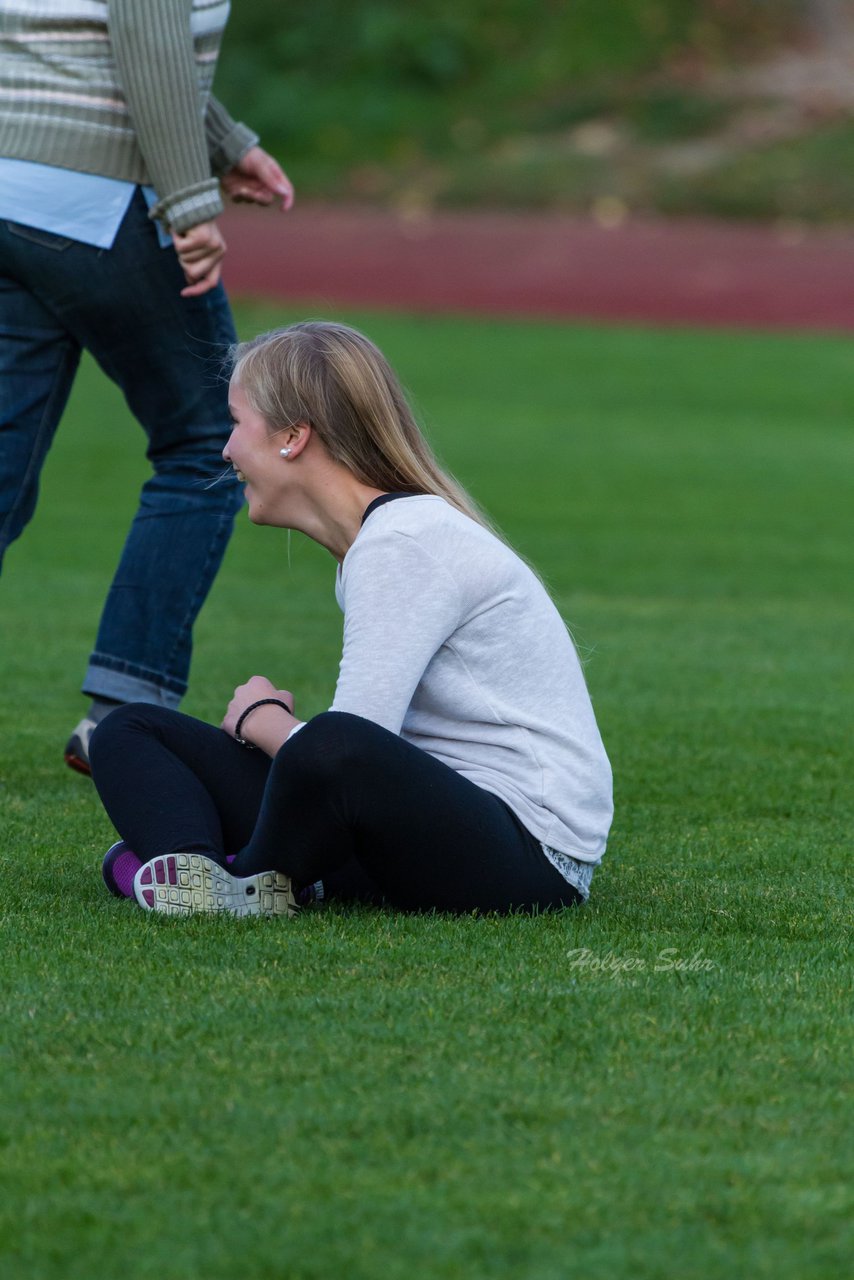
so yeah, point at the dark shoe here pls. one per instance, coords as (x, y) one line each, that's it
(77, 747)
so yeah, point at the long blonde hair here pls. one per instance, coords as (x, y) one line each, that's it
(334, 378)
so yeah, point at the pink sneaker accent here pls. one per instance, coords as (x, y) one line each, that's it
(120, 865)
(118, 869)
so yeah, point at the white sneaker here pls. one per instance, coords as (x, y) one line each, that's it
(180, 884)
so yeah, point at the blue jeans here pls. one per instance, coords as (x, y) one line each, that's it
(166, 353)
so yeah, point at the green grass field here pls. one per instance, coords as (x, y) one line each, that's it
(653, 1086)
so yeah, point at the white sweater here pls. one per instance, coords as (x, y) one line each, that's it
(452, 642)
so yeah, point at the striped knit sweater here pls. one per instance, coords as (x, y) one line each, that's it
(121, 88)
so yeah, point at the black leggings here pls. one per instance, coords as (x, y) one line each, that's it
(344, 801)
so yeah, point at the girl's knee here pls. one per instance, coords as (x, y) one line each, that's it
(330, 742)
(129, 717)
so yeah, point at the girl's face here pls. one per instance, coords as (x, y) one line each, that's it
(253, 451)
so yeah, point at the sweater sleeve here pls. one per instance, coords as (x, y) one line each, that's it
(400, 606)
(227, 140)
(152, 44)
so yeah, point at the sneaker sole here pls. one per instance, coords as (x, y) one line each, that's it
(181, 884)
(119, 880)
(78, 765)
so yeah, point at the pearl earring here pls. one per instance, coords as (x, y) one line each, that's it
(285, 453)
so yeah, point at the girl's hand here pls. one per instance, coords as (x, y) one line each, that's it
(268, 726)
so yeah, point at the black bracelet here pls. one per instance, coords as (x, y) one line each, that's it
(262, 702)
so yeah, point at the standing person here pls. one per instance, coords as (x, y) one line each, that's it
(107, 122)
(460, 767)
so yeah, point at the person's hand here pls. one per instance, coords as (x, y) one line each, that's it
(200, 251)
(258, 179)
(268, 726)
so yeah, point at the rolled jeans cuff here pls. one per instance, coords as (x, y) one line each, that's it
(104, 682)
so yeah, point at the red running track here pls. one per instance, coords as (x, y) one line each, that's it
(667, 273)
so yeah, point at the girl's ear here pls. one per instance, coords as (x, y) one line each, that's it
(294, 439)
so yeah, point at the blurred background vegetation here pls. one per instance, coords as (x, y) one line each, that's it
(739, 108)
